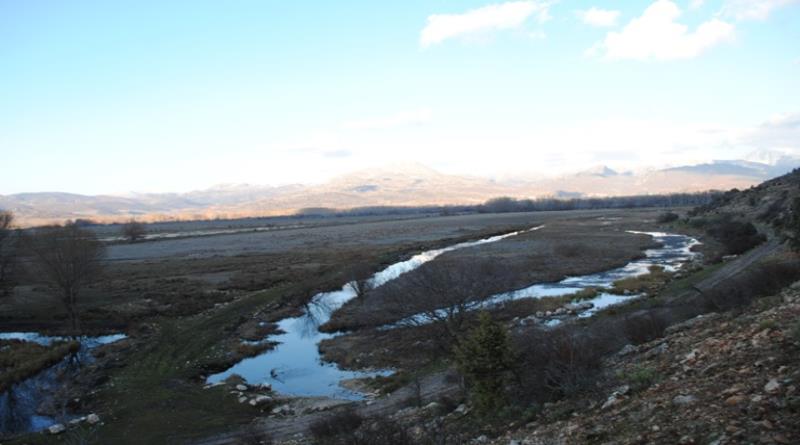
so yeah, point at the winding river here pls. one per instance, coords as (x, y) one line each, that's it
(294, 366)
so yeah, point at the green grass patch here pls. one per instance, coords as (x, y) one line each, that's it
(767, 324)
(653, 280)
(157, 397)
(585, 294)
(640, 377)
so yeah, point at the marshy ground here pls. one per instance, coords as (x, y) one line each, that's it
(187, 303)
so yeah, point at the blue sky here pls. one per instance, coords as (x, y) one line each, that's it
(110, 97)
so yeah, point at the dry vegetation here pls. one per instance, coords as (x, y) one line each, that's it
(20, 359)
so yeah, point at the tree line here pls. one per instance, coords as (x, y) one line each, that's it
(505, 204)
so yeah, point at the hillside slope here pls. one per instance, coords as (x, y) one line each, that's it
(399, 185)
(715, 379)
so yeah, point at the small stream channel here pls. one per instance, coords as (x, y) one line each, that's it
(673, 251)
(294, 366)
(19, 406)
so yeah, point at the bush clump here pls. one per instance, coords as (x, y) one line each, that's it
(667, 217)
(736, 236)
(485, 359)
(347, 427)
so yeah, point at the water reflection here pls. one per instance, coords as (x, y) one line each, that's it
(294, 366)
(20, 406)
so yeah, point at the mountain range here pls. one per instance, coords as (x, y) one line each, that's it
(398, 185)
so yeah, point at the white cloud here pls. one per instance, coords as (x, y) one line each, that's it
(486, 19)
(779, 132)
(601, 18)
(656, 35)
(404, 118)
(696, 4)
(752, 9)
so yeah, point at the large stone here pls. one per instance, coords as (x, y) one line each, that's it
(241, 387)
(260, 400)
(57, 428)
(612, 400)
(92, 419)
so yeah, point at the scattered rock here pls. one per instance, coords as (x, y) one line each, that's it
(657, 350)
(57, 428)
(684, 399)
(626, 350)
(92, 419)
(283, 409)
(612, 400)
(772, 387)
(433, 406)
(260, 400)
(578, 307)
(241, 387)
(264, 386)
(735, 400)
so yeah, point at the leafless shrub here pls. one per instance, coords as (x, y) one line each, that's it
(667, 217)
(559, 362)
(360, 281)
(338, 428)
(7, 252)
(758, 281)
(81, 435)
(644, 326)
(253, 435)
(444, 293)
(133, 231)
(382, 431)
(736, 236)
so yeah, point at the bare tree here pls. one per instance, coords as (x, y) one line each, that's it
(7, 252)
(67, 258)
(445, 293)
(133, 230)
(360, 281)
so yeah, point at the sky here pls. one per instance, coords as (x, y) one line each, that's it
(100, 97)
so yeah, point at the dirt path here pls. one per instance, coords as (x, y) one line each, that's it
(739, 264)
(436, 385)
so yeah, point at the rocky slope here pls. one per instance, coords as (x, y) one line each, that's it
(715, 379)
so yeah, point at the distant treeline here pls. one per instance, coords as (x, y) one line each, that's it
(507, 205)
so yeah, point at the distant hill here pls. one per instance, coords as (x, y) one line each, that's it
(399, 185)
